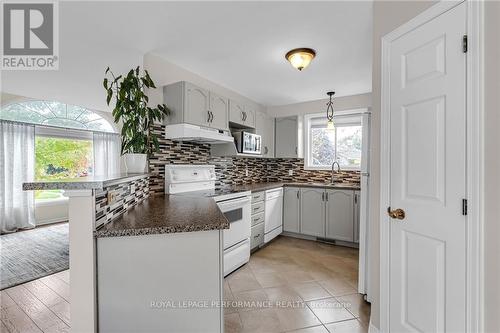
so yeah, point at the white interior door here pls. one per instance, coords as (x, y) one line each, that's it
(427, 176)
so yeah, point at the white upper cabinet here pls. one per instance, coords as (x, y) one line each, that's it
(312, 212)
(288, 138)
(241, 115)
(219, 108)
(250, 116)
(264, 126)
(196, 108)
(191, 104)
(339, 215)
(291, 211)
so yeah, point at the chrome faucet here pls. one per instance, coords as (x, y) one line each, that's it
(333, 170)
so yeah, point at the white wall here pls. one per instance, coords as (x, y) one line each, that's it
(387, 16)
(164, 72)
(318, 106)
(492, 168)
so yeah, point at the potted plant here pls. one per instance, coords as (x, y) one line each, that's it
(136, 116)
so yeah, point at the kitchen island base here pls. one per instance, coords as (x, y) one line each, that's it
(169, 282)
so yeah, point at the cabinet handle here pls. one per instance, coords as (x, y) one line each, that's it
(326, 196)
(208, 120)
(323, 196)
(298, 196)
(355, 198)
(296, 150)
(212, 119)
(256, 236)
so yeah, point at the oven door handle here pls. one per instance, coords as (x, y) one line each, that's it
(226, 206)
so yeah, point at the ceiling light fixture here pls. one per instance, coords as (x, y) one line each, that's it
(300, 58)
(329, 110)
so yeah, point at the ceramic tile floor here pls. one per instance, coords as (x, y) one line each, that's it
(296, 285)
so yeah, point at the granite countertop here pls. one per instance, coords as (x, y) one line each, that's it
(255, 187)
(166, 214)
(84, 183)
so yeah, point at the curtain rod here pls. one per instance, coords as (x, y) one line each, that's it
(56, 127)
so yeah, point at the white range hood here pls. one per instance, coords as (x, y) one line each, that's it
(194, 133)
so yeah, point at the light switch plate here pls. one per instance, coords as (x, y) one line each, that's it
(132, 189)
(290, 172)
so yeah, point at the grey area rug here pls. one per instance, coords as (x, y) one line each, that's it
(32, 254)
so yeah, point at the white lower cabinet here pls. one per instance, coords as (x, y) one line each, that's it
(340, 215)
(323, 213)
(312, 212)
(258, 219)
(291, 213)
(257, 237)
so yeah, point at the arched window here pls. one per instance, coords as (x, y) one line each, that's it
(55, 114)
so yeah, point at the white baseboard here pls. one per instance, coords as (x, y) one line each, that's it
(300, 236)
(372, 328)
(50, 221)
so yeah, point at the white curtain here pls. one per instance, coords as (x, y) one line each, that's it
(106, 154)
(17, 165)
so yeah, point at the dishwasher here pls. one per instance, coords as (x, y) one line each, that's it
(273, 221)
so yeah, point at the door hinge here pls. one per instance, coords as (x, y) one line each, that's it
(464, 206)
(464, 44)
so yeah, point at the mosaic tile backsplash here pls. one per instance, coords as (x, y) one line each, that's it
(124, 199)
(232, 170)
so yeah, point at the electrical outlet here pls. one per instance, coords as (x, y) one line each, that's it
(246, 172)
(290, 172)
(132, 189)
(112, 197)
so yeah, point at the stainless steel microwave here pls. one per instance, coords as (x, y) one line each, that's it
(248, 143)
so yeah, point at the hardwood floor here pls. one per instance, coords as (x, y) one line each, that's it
(290, 285)
(38, 306)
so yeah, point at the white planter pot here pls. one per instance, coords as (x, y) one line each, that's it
(136, 163)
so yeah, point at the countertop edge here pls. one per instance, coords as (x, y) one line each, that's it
(82, 184)
(258, 187)
(160, 230)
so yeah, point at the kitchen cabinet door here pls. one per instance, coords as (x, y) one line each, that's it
(249, 117)
(236, 112)
(340, 215)
(356, 216)
(312, 212)
(286, 144)
(219, 106)
(197, 104)
(264, 126)
(291, 209)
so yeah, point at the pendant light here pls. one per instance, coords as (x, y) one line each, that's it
(300, 58)
(329, 111)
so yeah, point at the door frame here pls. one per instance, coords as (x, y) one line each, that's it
(474, 159)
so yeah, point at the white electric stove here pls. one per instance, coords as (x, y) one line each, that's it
(199, 180)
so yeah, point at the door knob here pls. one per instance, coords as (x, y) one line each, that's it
(396, 213)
